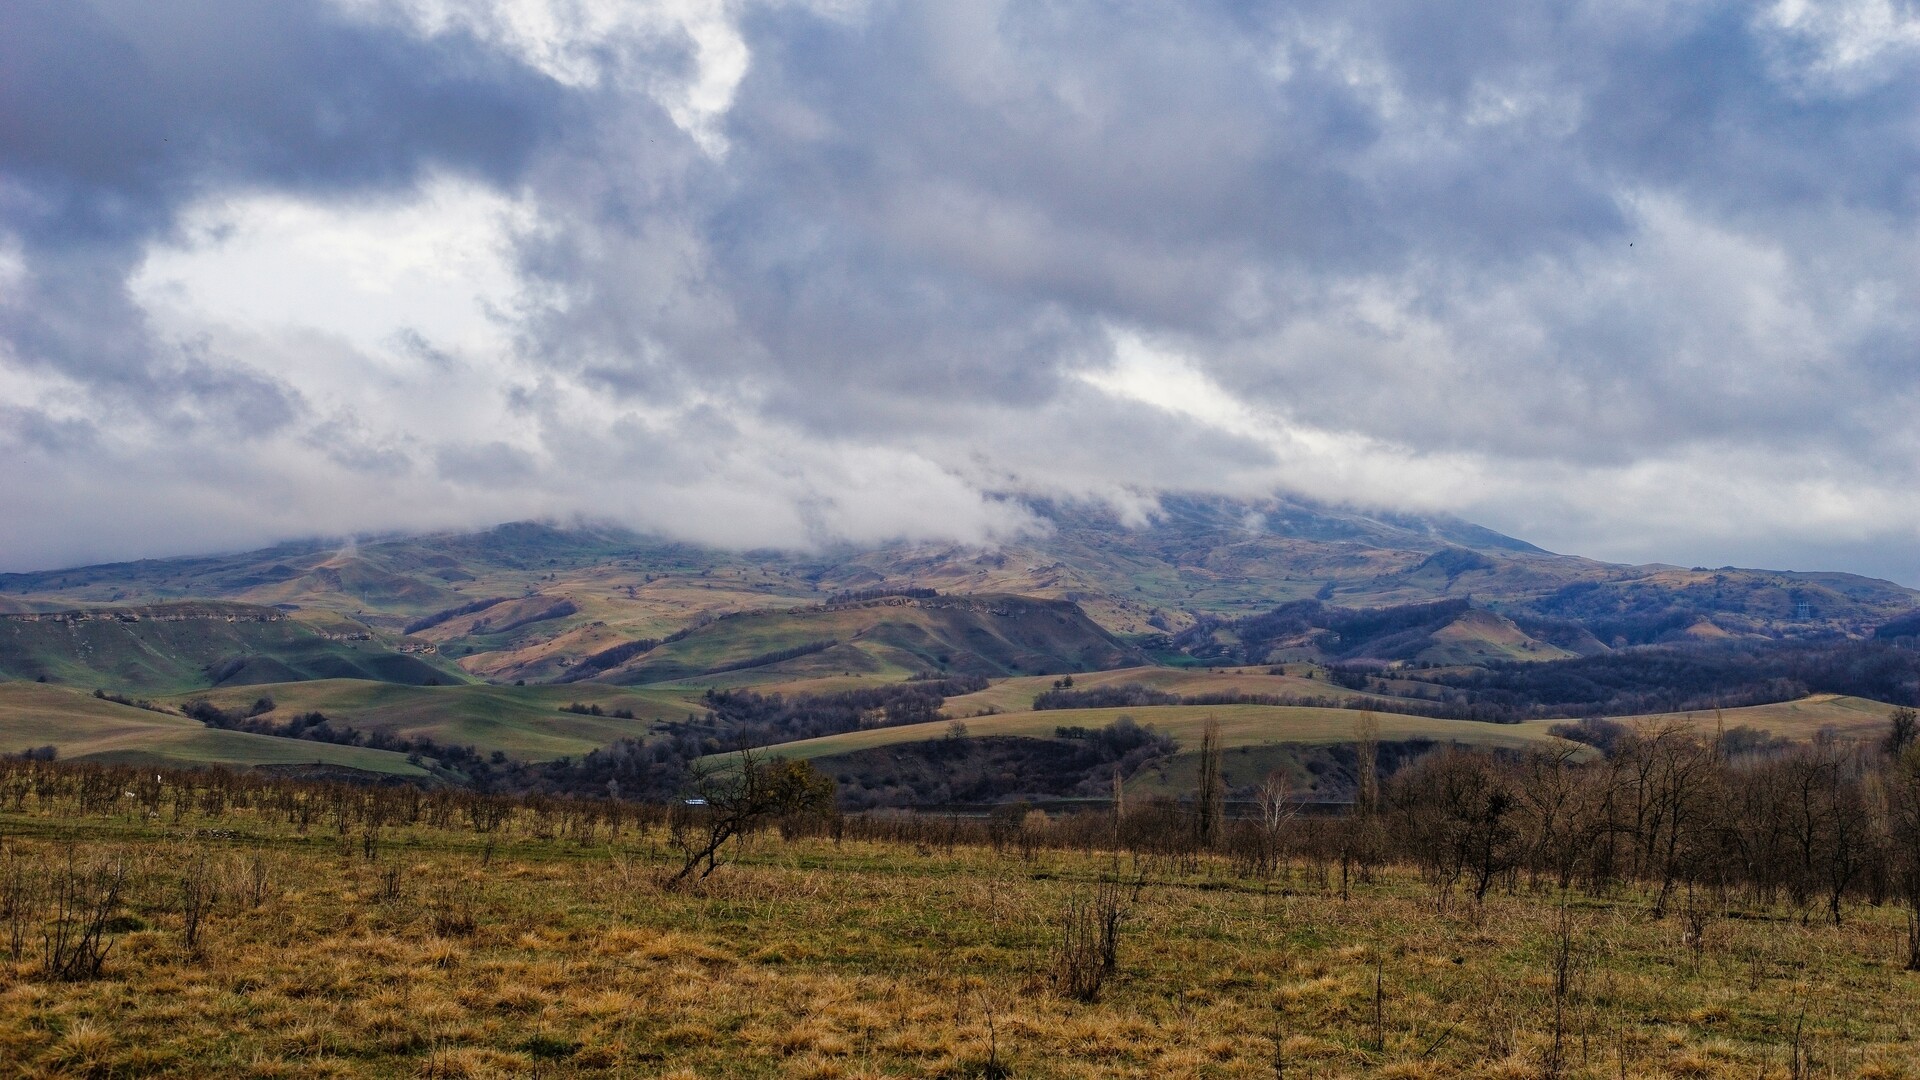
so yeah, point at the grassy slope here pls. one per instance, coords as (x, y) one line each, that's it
(1016, 695)
(783, 679)
(1257, 739)
(1261, 738)
(1852, 717)
(156, 655)
(524, 721)
(85, 727)
(1240, 725)
(527, 722)
(618, 604)
(991, 635)
(1481, 636)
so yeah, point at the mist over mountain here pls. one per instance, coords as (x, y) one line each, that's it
(1192, 557)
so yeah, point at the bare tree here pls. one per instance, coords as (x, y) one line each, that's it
(1274, 799)
(733, 800)
(1366, 751)
(1210, 797)
(1457, 814)
(197, 895)
(1903, 725)
(84, 899)
(1550, 793)
(1903, 819)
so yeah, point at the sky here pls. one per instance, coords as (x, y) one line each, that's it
(1633, 279)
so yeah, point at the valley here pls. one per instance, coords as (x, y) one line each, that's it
(536, 655)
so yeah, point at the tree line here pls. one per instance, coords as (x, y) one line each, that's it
(1697, 825)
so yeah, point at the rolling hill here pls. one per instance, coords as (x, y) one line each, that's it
(890, 636)
(85, 728)
(1436, 633)
(530, 723)
(885, 765)
(1240, 725)
(1298, 680)
(1310, 746)
(177, 646)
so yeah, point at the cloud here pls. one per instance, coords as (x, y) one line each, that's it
(1636, 280)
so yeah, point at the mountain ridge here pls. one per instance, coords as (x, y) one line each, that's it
(550, 596)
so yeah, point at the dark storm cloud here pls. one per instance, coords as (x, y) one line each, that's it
(1568, 266)
(117, 112)
(945, 201)
(932, 204)
(116, 115)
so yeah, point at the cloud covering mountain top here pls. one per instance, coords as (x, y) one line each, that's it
(1638, 280)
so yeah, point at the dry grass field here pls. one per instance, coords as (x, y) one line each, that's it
(1017, 694)
(1849, 717)
(1261, 738)
(556, 950)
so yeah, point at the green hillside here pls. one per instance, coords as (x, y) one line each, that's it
(526, 722)
(1304, 744)
(890, 637)
(174, 647)
(1240, 725)
(82, 727)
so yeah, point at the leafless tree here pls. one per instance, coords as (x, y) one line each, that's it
(1210, 795)
(732, 800)
(1274, 801)
(83, 898)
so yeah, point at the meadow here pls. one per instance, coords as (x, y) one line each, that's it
(1240, 725)
(80, 725)
(270, 928)
(1259, 739)
(1294, 680)
(526, 722)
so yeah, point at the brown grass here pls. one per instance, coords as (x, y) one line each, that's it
(808, 958)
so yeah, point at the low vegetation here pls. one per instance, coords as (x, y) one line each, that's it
(1669, 910)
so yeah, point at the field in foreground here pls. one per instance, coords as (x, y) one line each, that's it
(554, 949)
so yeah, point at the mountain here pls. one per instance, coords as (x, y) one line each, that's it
(540, 603)
(1226, 557)
(1438, 633)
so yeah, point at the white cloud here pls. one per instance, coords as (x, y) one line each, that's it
(1854, 43)
(436, 260)
(1624, 279)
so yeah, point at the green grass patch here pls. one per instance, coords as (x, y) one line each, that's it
(83, 727)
